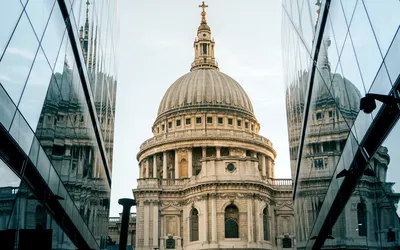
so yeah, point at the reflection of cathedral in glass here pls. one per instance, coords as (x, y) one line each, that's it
(70, 148)
(334, 109)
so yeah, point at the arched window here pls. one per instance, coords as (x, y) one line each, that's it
(266, 224)
(231, 222)
(362, 219)
(194, 225)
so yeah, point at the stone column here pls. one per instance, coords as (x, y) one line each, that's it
(147, 169)
(190, 163)
(218, 150)
(140, 171)
(204, 163)
(249, 220)
(268, 164)
(263, 165)
(164, 175)
(176, 164)
(155, 166)
(155, 224)
(213, 219)
(146, 223)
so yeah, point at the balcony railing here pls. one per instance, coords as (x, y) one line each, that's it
(154, 183)
(210, 133)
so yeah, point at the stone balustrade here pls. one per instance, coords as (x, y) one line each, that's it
(155, 183)
(202, 133)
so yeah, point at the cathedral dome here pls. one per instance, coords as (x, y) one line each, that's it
(205, 89)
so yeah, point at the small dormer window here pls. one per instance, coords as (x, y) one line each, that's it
(163, 127)
(178, 123)
(220, 120)
(169, 124)
(230, 121)
(246, 125)
(187, 121)
(239, 123)
(198, 120)
(204, 49)
(209, 120)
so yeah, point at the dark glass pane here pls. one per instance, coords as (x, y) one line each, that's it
(231, 229)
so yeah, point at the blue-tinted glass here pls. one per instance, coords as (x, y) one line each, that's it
(363, 40)
(21, 132)
(349, 66)
(54, 181)
(34, 151)
(348, 9)
(17, 60)
(339, 26)
(392, 58)
(35, 90)
(43, 165)
(7, 109)
(385, 20)
(381, 86)
(9, 14)
(38, 12)
(53, 35)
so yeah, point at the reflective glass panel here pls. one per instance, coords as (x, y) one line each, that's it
(18, 58)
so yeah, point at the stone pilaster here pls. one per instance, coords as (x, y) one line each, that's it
(213, 219)
(146, 223)
(155, 224)
(249, 220)
(218, 152)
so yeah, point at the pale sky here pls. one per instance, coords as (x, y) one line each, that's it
(156, 48)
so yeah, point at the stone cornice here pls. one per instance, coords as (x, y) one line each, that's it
(220, 185)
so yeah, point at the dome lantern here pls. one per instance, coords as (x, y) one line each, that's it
(204, 46)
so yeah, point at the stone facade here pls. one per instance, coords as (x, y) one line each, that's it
(206, 177)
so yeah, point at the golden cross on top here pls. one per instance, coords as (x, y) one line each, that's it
(203, 6)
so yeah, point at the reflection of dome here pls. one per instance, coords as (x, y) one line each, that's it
(339, 89)
(205, 89)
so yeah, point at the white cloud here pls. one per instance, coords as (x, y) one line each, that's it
(24, 53)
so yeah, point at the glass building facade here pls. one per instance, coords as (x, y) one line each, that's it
(57, 105)
(344, 162)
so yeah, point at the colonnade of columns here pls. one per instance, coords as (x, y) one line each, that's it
(266, 164)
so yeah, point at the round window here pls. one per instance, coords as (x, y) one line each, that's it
(231, 167)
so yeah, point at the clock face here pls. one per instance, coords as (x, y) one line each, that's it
(204, 35)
